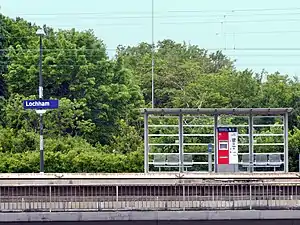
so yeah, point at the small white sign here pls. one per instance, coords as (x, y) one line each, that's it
(40, 111)
(233, 148)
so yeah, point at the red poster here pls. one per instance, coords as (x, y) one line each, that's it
(223, 147)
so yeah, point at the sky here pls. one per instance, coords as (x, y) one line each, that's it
(258, 34)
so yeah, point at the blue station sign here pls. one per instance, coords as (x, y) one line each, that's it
(227, 129)
(40, 104)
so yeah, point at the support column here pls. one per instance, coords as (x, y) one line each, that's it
(251, 143)
(209, 158)
(215, 143)
(181, 157)
(146, 143)
(286, 142)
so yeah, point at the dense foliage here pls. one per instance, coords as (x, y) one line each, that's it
(98, 126)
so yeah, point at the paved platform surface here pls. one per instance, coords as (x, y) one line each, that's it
(15, 179)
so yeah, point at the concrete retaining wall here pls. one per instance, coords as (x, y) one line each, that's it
(167, 222)
(149, 205)
(151, 216)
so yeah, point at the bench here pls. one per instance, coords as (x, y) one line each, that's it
(262, 160)
(172, 160)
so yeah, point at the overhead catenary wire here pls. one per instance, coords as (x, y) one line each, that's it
(165, 16)
(217, 21)
(31, 64)
(61, 49)
(177, 23)
(226, 33)
(241, 10)
(234, 16)
(169, 11)
(178, 14)
(230, 21)
(204, 49)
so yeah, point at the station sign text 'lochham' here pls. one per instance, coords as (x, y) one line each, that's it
(40, 104)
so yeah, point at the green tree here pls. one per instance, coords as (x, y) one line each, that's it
(3, 57)
(176, 66)
(227, 89)
(95, 92)
(97, 127)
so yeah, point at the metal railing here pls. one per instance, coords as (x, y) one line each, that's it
(180, 196)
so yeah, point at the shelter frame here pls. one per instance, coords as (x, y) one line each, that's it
(215, 113)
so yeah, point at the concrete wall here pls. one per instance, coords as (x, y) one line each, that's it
(151, 216)
(179, 222)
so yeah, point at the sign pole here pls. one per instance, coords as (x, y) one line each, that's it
(41, 114)
(41, 105)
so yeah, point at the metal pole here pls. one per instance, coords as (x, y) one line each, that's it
(215, 143)
(117, 196)
(209, 158)
(50, 199)
(251, 143)
(183, 196)
(152, 55)
(181, 157)
(286, 143)
(146, 143)
(250, 196)
(41, 115)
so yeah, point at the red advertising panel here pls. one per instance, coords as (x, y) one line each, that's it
(223, 151)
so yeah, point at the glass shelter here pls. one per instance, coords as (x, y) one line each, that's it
(184, 139)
